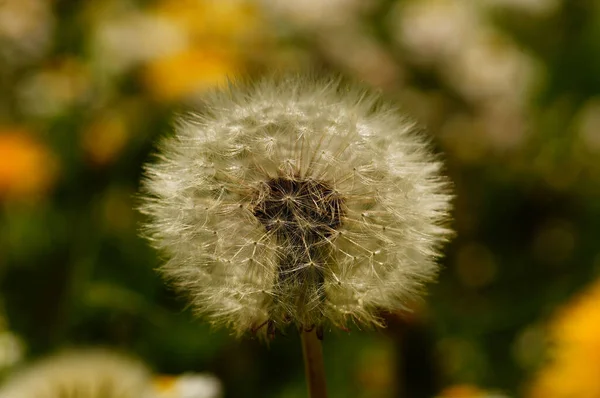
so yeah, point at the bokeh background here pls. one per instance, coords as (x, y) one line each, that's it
(508, 89)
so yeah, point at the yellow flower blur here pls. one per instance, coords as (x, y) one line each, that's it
(462, 391)
(104, 139)
(575, 356)
(185, 73)
(219, 37)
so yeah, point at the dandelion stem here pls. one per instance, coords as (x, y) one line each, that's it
(313, 363)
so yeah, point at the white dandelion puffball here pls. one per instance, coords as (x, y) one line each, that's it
(297, 201)
(81, 374)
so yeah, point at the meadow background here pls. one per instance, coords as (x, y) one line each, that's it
(508, 89)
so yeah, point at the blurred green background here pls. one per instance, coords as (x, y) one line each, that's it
(509, 90)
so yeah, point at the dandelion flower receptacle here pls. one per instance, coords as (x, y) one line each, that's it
(296, 201)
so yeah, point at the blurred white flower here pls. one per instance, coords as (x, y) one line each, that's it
(52, 90)
(81, 374)
(316, 13)
(363, 55)
(11, 349)
(296, 201)
(587, 124)
(125, 40)
(490, 67)
(482, 63)
(25, 29)
(193, 385)
(434, 30)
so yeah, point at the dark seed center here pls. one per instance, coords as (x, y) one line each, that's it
(305, 209)
(302, 214)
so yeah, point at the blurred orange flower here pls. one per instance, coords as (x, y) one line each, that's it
(575, 353)
(163, 383)
(27, 168)
(187, 385)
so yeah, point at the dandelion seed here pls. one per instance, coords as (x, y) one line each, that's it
(296, 201)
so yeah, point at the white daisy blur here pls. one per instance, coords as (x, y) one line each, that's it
(81, 374)
(296, 201)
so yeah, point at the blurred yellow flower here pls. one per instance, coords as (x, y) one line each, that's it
(164, 383)
(27, 168)
(219, 39)
(104, 138)
(575, 354)
(189, 72)
(209, 21)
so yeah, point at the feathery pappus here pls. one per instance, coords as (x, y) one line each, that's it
(296, 201)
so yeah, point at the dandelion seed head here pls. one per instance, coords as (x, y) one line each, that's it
(296, 201)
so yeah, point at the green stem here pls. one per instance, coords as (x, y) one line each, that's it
(313, 364)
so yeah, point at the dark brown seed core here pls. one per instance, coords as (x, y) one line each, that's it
(299, 209)
(302, 214)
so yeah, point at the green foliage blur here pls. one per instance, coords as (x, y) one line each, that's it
(509, 91)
